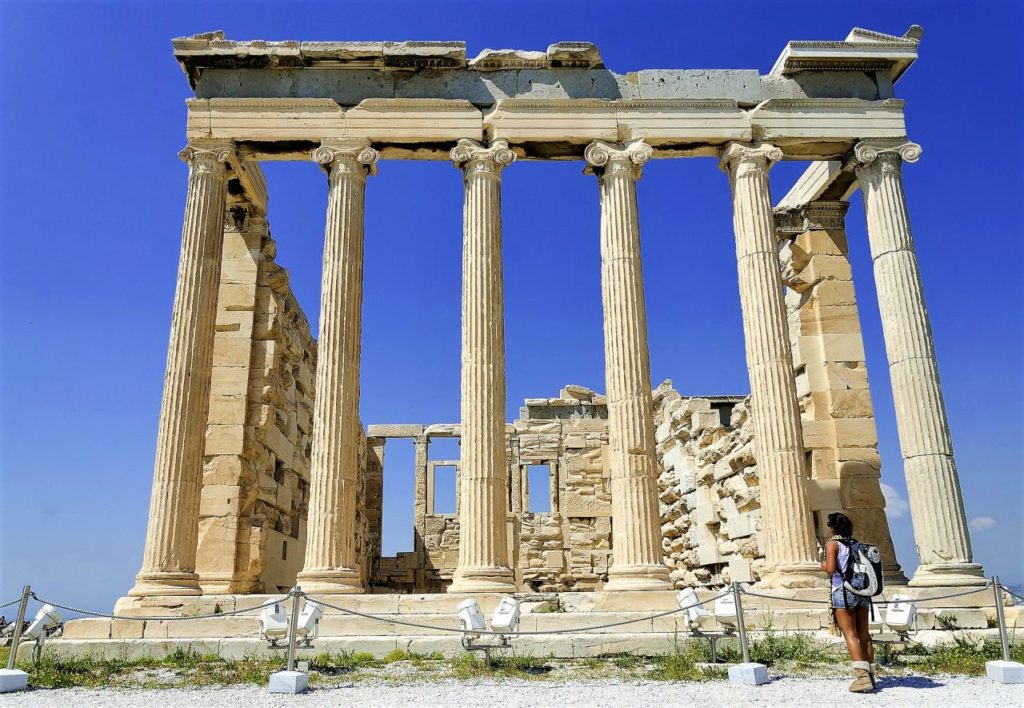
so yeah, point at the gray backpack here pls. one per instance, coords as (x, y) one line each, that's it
(863, 572)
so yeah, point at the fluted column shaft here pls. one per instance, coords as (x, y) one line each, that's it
(788, 540)
(169, 558)
(330, 563)
(933, 485)
(483, 552)
(636, 525)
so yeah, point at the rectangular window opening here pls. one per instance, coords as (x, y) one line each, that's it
(444, 489)
(398, 503)
(538, 489)
(724, 413)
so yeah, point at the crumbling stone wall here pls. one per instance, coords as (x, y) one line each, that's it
(708, 492)
(281, 412)
(255, 496)
(441, 546)
(708, 488)
(567, 548)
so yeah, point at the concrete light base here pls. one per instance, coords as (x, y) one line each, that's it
(289, 682)
(752, 674)
(1005, 671)
(13, 680)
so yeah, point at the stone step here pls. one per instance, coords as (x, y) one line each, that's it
(335, 624)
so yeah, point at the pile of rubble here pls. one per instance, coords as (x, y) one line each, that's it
(708, 488)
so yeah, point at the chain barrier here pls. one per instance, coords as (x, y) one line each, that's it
(419, 625)
(459, 630)
(1005, 589)
(154, 618)
(366, 615)
(987, 586)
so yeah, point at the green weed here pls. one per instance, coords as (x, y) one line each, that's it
(396, 655)
(962, 656)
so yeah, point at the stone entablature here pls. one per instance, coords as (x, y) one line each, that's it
(414, 100)
(349, 72)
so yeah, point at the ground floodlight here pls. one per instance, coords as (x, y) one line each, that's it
(471, 619)
(46, 619)
(506, 615)
(274, 623)
(901, 614)
(687, 600)
(308, 626)
(725, 610)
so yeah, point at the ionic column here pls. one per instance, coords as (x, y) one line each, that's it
(636, 525)
(331, 565)
(788, 540)
(168, 562)
(483, 554)
(933, 486)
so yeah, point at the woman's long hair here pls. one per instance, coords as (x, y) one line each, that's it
(840, 524)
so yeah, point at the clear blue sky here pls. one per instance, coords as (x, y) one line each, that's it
(92, 196)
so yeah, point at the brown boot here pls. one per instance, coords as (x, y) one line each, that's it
(871, 673)
(862, 678)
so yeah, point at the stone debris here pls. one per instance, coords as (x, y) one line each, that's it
(708, 488)
(708, 493)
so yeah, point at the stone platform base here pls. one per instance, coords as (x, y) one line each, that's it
(559, 646)
(566, 615)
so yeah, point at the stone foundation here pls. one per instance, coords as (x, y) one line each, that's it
(568, 614)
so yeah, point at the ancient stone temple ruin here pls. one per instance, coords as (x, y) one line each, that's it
(265, 475)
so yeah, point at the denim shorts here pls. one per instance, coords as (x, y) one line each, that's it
(850, 601)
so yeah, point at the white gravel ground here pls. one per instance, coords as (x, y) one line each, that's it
(949, 692)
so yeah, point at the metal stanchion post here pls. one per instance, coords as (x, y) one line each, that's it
(16, 638)
(748, 673)
(1001, 616)
(291, 681)
(296, 593)
(1005, 671)
(12, 679)
(740, 624)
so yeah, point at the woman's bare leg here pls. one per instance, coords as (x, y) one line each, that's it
(864, 635)
(847, 621)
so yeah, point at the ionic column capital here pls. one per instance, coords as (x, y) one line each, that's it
(203, 156)
(608, 159)
(884, 156)
(757, 156)
(474, 158)
(355, 157)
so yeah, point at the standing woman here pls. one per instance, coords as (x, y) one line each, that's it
(851, 611)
